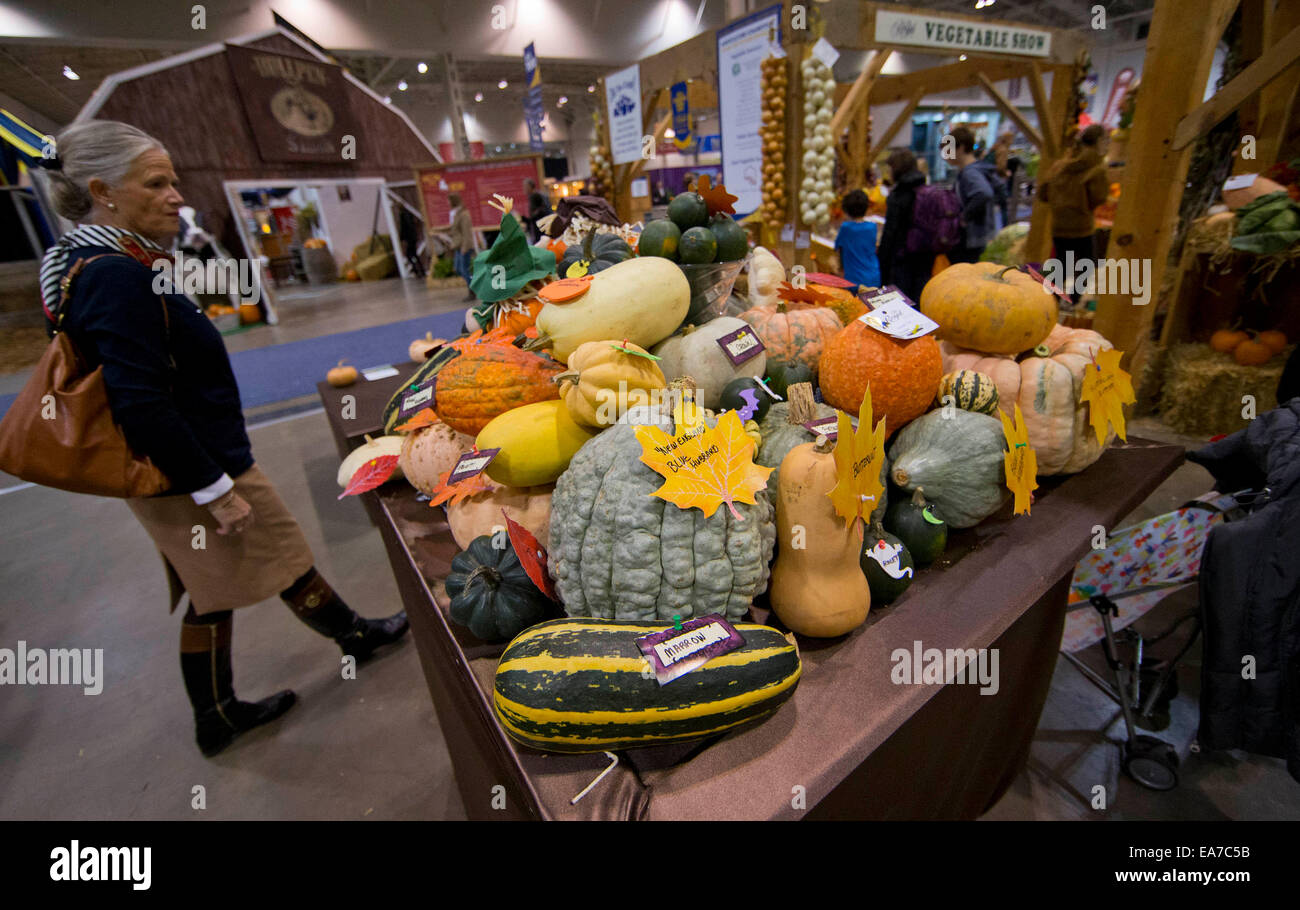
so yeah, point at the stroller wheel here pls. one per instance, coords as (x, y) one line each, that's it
(1152, 763)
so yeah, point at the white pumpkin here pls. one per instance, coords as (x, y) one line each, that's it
(695, 352)
(371, 448)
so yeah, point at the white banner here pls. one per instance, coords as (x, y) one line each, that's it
(623, 107)
(960, 35)
(742, 47)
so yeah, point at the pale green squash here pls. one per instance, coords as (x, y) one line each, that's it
(956, 456)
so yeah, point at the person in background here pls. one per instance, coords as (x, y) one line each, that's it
(978, 189)
(856, 242)
(906, 271)
(688, 182)
(1072, 189)
(1006, 165)
(538, 208)
(172, 391)
(462, 241)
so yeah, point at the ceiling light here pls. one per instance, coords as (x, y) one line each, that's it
(67, 71)
(401, 86)
(962, 57)
(564, 99)
(502, 84)
(422, 67)
(591, 89)
(669, 134)
(478, 96)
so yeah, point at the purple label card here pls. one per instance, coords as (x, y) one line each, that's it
(675, 652)
(471, 463)
(828, 427)
(416, 398)
(881, 296)
(741, 345)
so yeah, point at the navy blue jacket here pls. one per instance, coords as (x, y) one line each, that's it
(189, 421)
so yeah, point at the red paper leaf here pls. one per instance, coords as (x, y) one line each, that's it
(370, 475)
(455, 492)
(532, 556)
(832, 281)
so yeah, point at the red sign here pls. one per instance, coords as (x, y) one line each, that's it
(476, 182)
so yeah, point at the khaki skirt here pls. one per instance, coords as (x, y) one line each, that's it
(237, 570)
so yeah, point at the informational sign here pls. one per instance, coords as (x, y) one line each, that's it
(681, 107)
(476, 182)
(641, 187)
(742, 47)
(297, 108)
(960, 35)
(623, 110)
(533, 109)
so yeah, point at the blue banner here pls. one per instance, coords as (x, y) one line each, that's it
(533, 111)
(681, 107)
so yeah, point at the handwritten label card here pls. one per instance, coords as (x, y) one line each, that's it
(675, 652)
(741, 345)
(416, 398)
(787, 233)
(470, 464)
(894, 315)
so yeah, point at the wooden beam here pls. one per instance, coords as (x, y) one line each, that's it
(1011, 111)
(861, 89)
(1276, 100)
(1180, 50)
(898, 123)
(889, 89)
(1051, 135)
(1274, 61)
(1038, 245)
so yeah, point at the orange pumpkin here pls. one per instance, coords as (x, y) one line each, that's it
(488, 380)
(1252, 353)
(1274, 339)
(845, 303)
(515, 320)
(987, 307)
(794, 331)
(904, 375)
(1225, 341)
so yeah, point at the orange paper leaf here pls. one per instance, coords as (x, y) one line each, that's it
(811, 296)
(705, 469)
(444, 493)
(1020, 463)
(858, 457)
(716, 198)
(417, 421)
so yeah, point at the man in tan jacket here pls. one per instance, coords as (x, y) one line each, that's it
(1074, 187)
(462, 240)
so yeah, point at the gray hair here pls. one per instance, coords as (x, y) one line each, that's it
(95, 148)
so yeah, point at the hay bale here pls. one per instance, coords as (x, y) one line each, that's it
(1204, 391)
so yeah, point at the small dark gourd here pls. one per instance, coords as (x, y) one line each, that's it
(734, 398)
(887, 564)
(490, 592)
(914, 522)
(781, 374)
(598, 251)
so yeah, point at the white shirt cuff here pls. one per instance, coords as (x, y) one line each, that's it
(215, 490)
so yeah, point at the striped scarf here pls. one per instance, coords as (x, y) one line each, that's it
(58, 257)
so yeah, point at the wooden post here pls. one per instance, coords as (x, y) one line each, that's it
(859, 91)
(1039, 242)
(1180, 49)
(904, 116)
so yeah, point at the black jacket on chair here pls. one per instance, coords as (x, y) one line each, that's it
(1250, 594)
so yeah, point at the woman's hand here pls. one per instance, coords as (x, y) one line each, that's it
(232, 512)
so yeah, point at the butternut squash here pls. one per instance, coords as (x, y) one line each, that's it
(818, 589)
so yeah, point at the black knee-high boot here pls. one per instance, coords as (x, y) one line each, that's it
(316, 604)
(209, 681)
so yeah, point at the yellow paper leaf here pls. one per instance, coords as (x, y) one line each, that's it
(1020, 462)
(858, 456)
(687, 416)
(704, 470)
(1106, 389)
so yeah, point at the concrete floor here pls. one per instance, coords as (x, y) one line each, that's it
(78, 571)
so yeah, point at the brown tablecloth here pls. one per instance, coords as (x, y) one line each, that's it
(850, 743)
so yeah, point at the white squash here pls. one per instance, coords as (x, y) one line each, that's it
(643, 300)
(765, 276)
(694, 352)
(371, 448)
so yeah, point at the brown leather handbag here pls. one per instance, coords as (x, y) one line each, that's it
(59, 432)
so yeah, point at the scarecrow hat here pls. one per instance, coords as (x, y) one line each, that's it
(520, 262)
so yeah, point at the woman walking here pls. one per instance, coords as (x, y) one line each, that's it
(173, 393)
(1073, 189)
(462, 241)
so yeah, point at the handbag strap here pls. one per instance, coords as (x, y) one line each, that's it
(65, 296)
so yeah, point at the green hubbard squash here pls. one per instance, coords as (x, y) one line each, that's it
(915, 522)
(956, 456)
(491, 594)
(573, 685)
(887, 565)
(618, 552)
(816, 588)
(990, 308)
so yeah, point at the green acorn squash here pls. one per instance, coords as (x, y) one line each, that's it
(781, 374)
(956, 456)
(888, 565)
(617, 552)
(598, 251)
(491, 594)
(914, 522)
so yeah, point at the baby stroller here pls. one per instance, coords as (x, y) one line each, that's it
(1122, 580)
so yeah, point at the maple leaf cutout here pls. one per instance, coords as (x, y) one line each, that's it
(370, 475)
(716, 198)
(714, 466)
(1020, 463)
(811, 296)
(417, 421)
(1107, 389)
(445, 493)
(858, 457)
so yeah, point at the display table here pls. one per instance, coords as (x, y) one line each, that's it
(850, 743)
